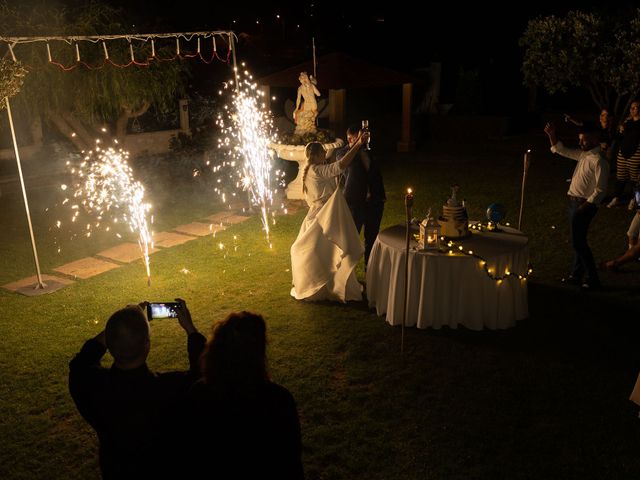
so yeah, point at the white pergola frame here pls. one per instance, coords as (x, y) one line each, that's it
(71, 40)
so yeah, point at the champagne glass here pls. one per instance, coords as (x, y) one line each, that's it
(365, 128)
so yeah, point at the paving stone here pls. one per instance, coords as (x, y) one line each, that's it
(290, 210)
(216, 227)
(196, 229)
(125, 253)
(239, 206)
(219, 217)
(86, 267)
(26, 282)
(170, 239)
(232, 220)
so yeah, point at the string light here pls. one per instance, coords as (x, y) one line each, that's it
(451, 250)
(489, 226)
(145, 38)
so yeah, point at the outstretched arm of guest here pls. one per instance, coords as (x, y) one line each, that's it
(550, 130)
(629, 256)
(569, 118)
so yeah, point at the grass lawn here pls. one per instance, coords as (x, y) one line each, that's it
(546, 399)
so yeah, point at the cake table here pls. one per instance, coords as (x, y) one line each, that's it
(451, 289)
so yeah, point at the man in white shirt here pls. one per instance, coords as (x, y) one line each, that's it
(586, 191)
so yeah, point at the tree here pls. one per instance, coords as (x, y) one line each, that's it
(77, 100)
(598, 53)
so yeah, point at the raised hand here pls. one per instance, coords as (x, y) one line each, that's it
(184, 317)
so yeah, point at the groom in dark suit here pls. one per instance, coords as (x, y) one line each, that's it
(363, 189)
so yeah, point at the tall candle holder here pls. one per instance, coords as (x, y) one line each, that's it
(526, 164)
(408, 204)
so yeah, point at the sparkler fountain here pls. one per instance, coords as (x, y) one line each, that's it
(104, 186)
(247, 132)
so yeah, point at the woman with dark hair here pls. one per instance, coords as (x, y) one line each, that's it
(628, 159)
(327, 249)
(608, 136)
(234, 360)
(240, 424)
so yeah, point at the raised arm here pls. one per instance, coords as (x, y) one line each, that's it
(576, 122)
(195, 340)
(350, 155)
(557, 146)
(84, 375)
(550, 130)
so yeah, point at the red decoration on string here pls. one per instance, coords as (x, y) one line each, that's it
(133, 62)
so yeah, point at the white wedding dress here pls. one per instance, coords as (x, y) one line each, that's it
(324, 255)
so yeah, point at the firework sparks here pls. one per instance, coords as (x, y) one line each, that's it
(104, 187)
(247, 130)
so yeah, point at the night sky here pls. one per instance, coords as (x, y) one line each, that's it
(480, 37)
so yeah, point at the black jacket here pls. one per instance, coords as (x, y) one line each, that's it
(362, 185)
(127, 408)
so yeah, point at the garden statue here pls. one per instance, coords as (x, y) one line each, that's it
(293, 145)
(306, 111)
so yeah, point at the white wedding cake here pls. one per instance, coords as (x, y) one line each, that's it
(454, 220)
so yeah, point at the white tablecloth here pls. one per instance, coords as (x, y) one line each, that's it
(449, 289)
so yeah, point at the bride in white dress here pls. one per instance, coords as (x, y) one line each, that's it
(328, 247)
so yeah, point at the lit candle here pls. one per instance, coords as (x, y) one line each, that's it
(408, 199)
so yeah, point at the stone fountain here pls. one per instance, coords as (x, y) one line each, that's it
(304, 116)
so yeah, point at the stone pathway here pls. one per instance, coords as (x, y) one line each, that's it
(124, 253)
(195, 229)
(170, 239)
(25, 282)
(86, 267)
(115, 257)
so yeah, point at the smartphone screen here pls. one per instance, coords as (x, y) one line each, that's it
(162, 310)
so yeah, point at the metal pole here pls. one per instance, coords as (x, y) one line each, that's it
(235, 65)
(408, 203)
(313, 43)
(235, 73)
(24, 195)
(527, 162)
(315, 76)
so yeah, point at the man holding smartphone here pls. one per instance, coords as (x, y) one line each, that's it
(128, 405)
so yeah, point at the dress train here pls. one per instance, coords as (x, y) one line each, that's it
(324, 256)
